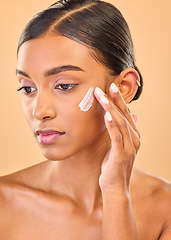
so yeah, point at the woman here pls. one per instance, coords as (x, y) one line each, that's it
(77, 73)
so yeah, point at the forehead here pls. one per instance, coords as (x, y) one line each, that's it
(50, 51)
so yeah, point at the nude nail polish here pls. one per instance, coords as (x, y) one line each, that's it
(109, 117)
(114, 88)
(99, 91)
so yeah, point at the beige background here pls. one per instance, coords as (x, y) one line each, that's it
(150, 25)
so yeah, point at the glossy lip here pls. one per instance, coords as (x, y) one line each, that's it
(48, 132)
(48, 136)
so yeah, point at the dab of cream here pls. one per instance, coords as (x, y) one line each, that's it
(87, 101)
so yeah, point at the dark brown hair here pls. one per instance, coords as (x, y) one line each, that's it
(98, 25)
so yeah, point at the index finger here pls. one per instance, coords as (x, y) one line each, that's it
(122, 106)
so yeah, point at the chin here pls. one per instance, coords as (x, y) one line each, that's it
(54, 153)
(49, 155)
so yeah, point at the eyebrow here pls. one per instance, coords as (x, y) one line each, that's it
(54, 71)
(22, 73)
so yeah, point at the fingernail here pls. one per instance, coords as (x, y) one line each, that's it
(104, 99)
(99, 91)
(108, 116)
(114, 88)
(136, 118)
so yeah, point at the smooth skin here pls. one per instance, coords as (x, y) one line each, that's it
(88, 187)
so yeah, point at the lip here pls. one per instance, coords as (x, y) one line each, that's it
(48, 136)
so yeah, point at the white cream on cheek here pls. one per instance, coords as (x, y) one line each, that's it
(87, 101)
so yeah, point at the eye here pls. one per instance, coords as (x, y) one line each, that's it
(65, 87)
(27, 90)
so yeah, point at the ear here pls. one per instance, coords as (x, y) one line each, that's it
(128, 83)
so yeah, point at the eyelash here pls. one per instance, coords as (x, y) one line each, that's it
(71, 86)
(24, 88)
(59, 86)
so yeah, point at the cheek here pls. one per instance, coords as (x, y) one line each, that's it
(83, 123)
(28, 110)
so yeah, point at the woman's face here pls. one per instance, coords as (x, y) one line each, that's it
(56, 73)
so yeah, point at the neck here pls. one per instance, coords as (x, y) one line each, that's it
(78, 176)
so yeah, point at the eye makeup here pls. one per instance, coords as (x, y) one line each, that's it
(87, 101)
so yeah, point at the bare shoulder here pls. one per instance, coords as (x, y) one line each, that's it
(14, 184)
(152, 198)
(17, 191)
(27, 177)
(150, 186)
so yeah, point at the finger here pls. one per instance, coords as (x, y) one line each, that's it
(114, 133)
(120, 120)
(117, 152)
(119, 137)
(117, 118)
(122, 106)
(136, 118)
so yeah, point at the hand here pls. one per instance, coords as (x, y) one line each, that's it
(125, 141)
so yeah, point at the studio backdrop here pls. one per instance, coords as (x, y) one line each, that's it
(150, 25)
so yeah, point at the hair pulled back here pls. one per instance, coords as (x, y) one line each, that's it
(98, 25)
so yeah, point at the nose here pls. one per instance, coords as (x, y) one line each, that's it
(43, 107)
